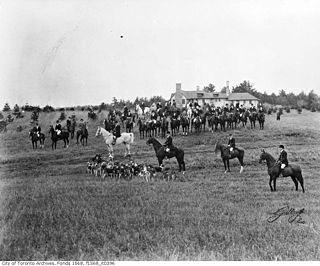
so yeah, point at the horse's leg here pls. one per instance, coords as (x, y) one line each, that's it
(300, 179)
(270, 183)
(274, 183)
(294, 181)
(225, 165)
(240, 158)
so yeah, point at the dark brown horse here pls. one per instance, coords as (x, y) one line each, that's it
(225, 155)
(294, 171)
(83, 135)
(64, 135)
(161, 153)
(35, 138)
(261, 119)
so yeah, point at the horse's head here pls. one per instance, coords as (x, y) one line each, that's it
(149, 141)
(263, 156)
(216, 147)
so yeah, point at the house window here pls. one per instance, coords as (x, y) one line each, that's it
(183, 101)
(250, 102)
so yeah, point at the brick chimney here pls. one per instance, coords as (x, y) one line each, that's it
(227, 89)
(178, 95)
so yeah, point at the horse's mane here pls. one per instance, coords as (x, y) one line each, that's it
(103, 129)
(269, 156)
(156, 141)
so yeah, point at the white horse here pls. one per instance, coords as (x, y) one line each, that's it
(125, 138)
(140, 112)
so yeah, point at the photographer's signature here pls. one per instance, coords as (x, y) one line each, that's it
(294, 215)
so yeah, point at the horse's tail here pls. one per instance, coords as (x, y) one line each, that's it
(131, 137)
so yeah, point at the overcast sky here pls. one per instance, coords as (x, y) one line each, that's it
(66, 53)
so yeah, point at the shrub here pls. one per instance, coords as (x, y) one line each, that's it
(92, 115)
(10, 118)
(62, 116)
(48, 109)
(288, 109)
(16, 109)
(34, 116)
(19, 128)
(299, 110)
(6, 108)
(19, 115)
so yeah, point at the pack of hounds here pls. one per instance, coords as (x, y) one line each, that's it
(108, 168)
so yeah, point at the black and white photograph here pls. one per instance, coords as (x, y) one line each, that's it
(159, 131)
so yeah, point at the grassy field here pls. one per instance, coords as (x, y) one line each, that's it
(50, 209)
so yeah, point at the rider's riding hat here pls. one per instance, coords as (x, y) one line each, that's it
(281, 146)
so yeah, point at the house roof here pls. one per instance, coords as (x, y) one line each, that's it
(241, 96)
(216, 95)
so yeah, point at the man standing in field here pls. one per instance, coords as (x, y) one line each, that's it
(283, 160)
(231, 144)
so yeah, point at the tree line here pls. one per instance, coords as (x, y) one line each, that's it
(310, 101)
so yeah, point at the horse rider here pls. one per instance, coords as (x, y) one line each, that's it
(231, 144)
(116, 132)
(82, 124)
(68, 122)
(153, 116)
(174, 104)
(125, 111)
(168, 143)
(58, 127)
(37, 129)
(142, 107)
(283, 160)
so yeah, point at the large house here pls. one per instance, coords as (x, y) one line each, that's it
(182, 97)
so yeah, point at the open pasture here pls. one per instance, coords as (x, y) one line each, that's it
(50, 209)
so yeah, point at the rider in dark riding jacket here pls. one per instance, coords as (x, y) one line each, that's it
(116, 132)
(231, 145)
(168, 143)
(283, 159)
(37, 129)
(58, 127)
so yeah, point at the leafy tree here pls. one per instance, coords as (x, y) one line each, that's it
(16, 109)
(6, 108)
(48, 109)
(62, 116)
(313, 101)
(34, 116)
(224, 90)
(245, 86)
(209, 88)
(102, 106)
